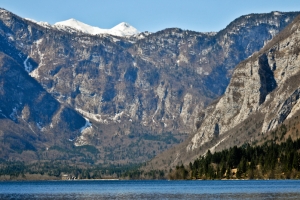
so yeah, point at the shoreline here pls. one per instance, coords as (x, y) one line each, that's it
(44, 180)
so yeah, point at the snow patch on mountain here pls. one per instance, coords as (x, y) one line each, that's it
(41, 23)
(27, 65)
(86, 126)
(277, 13)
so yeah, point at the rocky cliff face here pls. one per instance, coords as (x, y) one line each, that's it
(262, 94)
(134, 87)
(31, 119)
(266, 83)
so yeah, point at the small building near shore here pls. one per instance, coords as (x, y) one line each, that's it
(65, 177)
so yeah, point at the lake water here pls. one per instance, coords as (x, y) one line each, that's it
(270, 189)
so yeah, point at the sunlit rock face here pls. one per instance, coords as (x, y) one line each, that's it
(267, 83)
(262, 94)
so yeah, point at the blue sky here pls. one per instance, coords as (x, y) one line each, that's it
(150, 15)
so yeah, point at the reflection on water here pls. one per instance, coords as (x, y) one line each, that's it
(150, 190)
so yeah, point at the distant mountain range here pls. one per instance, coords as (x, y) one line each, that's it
(110, 98)
(122, 29)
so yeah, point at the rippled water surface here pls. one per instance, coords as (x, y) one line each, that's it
(279, 189)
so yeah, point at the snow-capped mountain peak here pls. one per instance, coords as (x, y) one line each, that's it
(122, 29)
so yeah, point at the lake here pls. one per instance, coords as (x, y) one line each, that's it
(229, 189)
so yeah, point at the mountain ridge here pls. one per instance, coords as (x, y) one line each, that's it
(31, 119)
(262, 97)
(141, 95)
